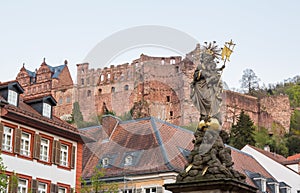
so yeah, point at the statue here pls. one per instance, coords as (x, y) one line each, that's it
(209, 159)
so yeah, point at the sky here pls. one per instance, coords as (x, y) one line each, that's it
(266, 32)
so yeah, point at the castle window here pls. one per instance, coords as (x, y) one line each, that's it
(89, 93)
(12, 97)
(163, 61)
(100, 91)
(168, 98)
(113, 89)
(60, 100)
(177, 69)
(82, 81)
(172, 61)
(126, 87)
(101, 77)
(108, 76)
(68, 99)
(171, 113)
(46, 110)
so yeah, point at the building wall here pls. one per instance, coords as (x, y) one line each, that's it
(150, 79)
(37, 169)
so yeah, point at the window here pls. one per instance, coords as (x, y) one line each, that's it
(89, 93)
(128, 160)
(113, 89)
(22, 186)
(105, 162)
(46, 110)
(82, 81)
(64, 155)
(162, 61)
(42, 187)
(44, 151)
(62, 190)
(12, 97)
(108, 76)
(101, 77)
(150, 190)
(168, 98)
(126, 87)
(177, 69)
(172, 61)
(68, 99)
(7, 139)
(171, 113)
(100, 91)
(60, 100)
(25, 144)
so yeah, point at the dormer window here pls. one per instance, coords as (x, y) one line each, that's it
(128, 160)
(261, 183)
(274, 186)
(285, 189)
(105, 162)
(12, 97)
(46, 110)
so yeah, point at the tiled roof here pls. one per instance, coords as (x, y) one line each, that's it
(276, 157)
(294, 157)
(159, 146)
(24, 113)
(56, 70)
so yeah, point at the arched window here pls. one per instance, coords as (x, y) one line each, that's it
(60, 100)
(126, 87)
(101, 77)
(172, 61)
(163, 61)
(113, 89)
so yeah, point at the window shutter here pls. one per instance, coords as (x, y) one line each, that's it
(18, 133)
(1, 135)
(57, 152)
(53, 151)
(13, 184)
(37, 146)
(54, 188)
(34, 186)
(73, 157)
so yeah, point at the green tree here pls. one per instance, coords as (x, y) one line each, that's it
(3, 176)
(293, 144)
(242, 133)
(295, 123)
(262, 138)
(97, 185)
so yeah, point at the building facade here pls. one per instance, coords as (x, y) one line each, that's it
(163, 84)
(47, 79)
(44, 152)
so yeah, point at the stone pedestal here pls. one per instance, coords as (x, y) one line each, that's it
(211, 186)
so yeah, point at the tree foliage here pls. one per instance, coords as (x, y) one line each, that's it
(3, 176)
(97, 185)
(242, 133)
(249, 81)
(293, 144)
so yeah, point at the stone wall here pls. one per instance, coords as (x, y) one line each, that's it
(164, 83)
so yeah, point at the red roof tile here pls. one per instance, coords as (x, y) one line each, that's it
(294, 157)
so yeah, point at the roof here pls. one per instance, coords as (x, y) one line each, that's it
(25, 114)
(294, 157)
(158, 147)
(155, 146)
(276, 157)
(56, 70)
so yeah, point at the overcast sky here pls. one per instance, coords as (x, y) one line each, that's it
(267, 33)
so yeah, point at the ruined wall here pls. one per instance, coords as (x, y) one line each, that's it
(164, 83)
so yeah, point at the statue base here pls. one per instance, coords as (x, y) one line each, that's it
(211, 186)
